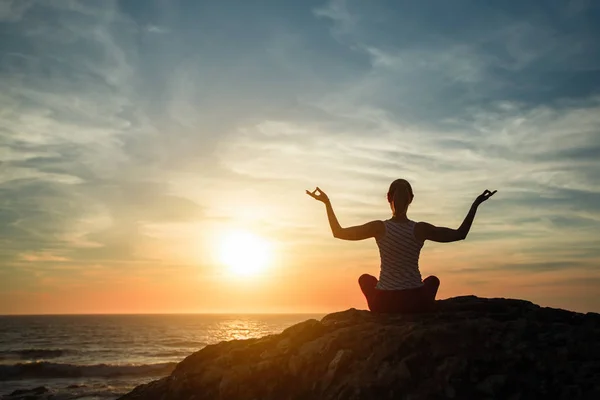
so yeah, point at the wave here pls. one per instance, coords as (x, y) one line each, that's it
(184, 343)
(56, 370)
(33, 354)
(70, 392)
(170, 354)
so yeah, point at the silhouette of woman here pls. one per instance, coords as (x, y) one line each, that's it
(399, 239)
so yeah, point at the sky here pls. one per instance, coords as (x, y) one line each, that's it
(135, 134)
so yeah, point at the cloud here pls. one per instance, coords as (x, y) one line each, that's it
(42, 257)
(337, 11)
(13, 10)
(157, 29)
(70, 183)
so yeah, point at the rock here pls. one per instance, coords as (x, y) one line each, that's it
(469, 348)
(38, 393)
(75, 386)
(340, 361)
(491, 383)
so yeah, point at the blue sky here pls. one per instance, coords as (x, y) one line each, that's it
(130, 131)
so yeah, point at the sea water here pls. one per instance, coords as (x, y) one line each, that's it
(104, 356)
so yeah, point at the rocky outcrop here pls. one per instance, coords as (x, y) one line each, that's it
(38, 393)
(470, 348)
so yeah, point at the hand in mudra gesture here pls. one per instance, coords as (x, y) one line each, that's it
(483, 197)
(318, 194)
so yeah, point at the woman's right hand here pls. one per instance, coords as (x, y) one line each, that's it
(319, 195)
(483, 197)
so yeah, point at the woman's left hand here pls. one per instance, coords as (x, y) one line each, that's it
(319, 195)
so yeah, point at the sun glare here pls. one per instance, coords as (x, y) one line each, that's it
(244, 253)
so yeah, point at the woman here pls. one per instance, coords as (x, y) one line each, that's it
(399, 288)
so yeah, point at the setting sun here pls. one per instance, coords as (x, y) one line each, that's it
(244, 253)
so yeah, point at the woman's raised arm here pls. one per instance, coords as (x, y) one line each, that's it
(425, 231)
(371, 229)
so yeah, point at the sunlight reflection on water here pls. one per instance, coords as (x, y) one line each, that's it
(239, 329)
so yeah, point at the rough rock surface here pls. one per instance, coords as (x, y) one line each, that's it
(40, 392)
(470, 348)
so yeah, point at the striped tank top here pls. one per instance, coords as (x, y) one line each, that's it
(399, 251)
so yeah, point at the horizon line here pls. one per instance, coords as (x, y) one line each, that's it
(167, 313)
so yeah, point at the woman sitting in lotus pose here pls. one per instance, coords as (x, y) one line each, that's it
(399, 288)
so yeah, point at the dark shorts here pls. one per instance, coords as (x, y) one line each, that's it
(421, 299)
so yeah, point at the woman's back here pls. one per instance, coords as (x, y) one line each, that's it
(399, 251)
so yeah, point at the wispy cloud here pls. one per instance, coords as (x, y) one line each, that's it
(157, 29)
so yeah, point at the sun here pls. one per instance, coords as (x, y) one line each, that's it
(245, 254)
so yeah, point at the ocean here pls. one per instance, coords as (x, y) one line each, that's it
(100, 357)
